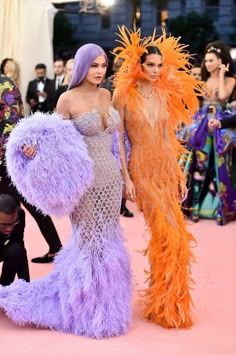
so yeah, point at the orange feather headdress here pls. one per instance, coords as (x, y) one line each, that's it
(174, 82)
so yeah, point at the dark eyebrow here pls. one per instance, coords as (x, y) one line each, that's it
(153, 63)
(95, 63)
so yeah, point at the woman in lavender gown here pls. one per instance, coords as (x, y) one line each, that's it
(89, 290)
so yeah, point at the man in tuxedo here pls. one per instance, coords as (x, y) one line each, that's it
(12, 250)
(40, 91)
(57, 82)
(59, 72)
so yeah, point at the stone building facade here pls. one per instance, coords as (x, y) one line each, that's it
(101, 28)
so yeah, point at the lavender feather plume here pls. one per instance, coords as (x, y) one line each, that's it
(56, 178)
(88, 293)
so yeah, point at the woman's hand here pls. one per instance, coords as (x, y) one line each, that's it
(233, 105)
(223, 68)
(183, 192)
(213, 123)
(29, 151)
(130, 190)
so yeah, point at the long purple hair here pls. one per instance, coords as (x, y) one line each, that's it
(84, 58)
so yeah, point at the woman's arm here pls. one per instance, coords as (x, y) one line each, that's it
(183, 190)
(124, 169)
(129, 186)
(226, 85)
(63, 106)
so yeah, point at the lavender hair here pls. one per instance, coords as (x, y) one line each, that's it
(84, 58)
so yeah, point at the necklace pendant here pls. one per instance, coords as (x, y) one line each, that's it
(146, 96)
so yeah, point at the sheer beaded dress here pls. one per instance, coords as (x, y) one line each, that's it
(89, 290)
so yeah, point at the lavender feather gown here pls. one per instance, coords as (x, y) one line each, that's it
(89, 291)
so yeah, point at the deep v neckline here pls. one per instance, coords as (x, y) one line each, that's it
(146, 111)
(155, 122)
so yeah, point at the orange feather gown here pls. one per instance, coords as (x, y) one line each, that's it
(155, 172)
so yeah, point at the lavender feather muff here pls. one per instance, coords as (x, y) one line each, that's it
(56, 178)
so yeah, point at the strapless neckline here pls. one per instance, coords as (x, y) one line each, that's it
(95, 111)
(90, 122)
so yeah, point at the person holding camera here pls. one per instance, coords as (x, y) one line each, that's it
(12, 250)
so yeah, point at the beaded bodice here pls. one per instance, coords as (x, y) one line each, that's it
(90, 123)
(100, 205)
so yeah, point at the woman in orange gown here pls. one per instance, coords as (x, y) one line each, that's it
(154, 93)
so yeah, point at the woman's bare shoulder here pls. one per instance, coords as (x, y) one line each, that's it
(230, 79)
(64, 104)
(105, 93)
(66, 96)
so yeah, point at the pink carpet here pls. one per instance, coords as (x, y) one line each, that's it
(214, 332)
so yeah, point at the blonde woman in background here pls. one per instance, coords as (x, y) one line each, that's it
(11, 69)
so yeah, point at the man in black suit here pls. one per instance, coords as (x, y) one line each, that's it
(12, 249)
(40, 91)
(58, 81)
(59, 72)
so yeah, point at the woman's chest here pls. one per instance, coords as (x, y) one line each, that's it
(148, 112)
(90, 103)
(212, 89)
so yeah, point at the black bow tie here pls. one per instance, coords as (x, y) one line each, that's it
(41, 81)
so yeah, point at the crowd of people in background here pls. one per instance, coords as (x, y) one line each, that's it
(209, 165)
